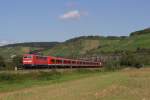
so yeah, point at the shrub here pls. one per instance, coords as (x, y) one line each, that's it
(112, 65)
(49, 75)
(131, 59)
(2, 63)
(17, 61)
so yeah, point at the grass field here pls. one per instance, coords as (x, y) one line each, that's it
(14, 80)
(128, 84)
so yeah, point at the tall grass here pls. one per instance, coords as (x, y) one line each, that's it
(13, 81)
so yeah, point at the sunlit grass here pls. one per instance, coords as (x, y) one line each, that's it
(130, 84)
(12, 80)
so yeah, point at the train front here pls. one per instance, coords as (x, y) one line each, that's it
(28, 60)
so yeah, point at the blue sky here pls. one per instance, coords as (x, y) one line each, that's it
(59, 20)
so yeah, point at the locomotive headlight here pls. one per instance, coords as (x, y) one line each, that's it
(29, 61)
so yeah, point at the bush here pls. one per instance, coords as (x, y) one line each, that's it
(131, 59)
(9, 77)
(2, 63)
(49, 75)
(17, 61)
(6, 77)
(112, 65)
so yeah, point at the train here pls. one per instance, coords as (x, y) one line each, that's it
(38, 61)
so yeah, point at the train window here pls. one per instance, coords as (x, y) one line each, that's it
(59, 61)
(65, 61)
(27, 56)
(73, 62)
(53, 61)
(68, 61)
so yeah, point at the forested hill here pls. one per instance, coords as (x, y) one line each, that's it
(98, 45)
(141, 32)
(34, 44)
(138, 41)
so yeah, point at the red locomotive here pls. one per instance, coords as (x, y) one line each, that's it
(37, 61)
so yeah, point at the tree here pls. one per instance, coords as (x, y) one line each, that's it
(131, 59)
(112, 65)
(2, 62)
(17, 61)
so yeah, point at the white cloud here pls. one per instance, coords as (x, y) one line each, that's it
(74, 14)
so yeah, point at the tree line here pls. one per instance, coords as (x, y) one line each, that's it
(126, 59)
(10, 65)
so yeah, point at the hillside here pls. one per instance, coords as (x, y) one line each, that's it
(100, 45)
(85, 45)
(20, 48)
(34, 44)
(140, 32)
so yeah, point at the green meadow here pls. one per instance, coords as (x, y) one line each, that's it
(126, 84)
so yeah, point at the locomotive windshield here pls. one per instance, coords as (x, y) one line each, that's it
(27, 56)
